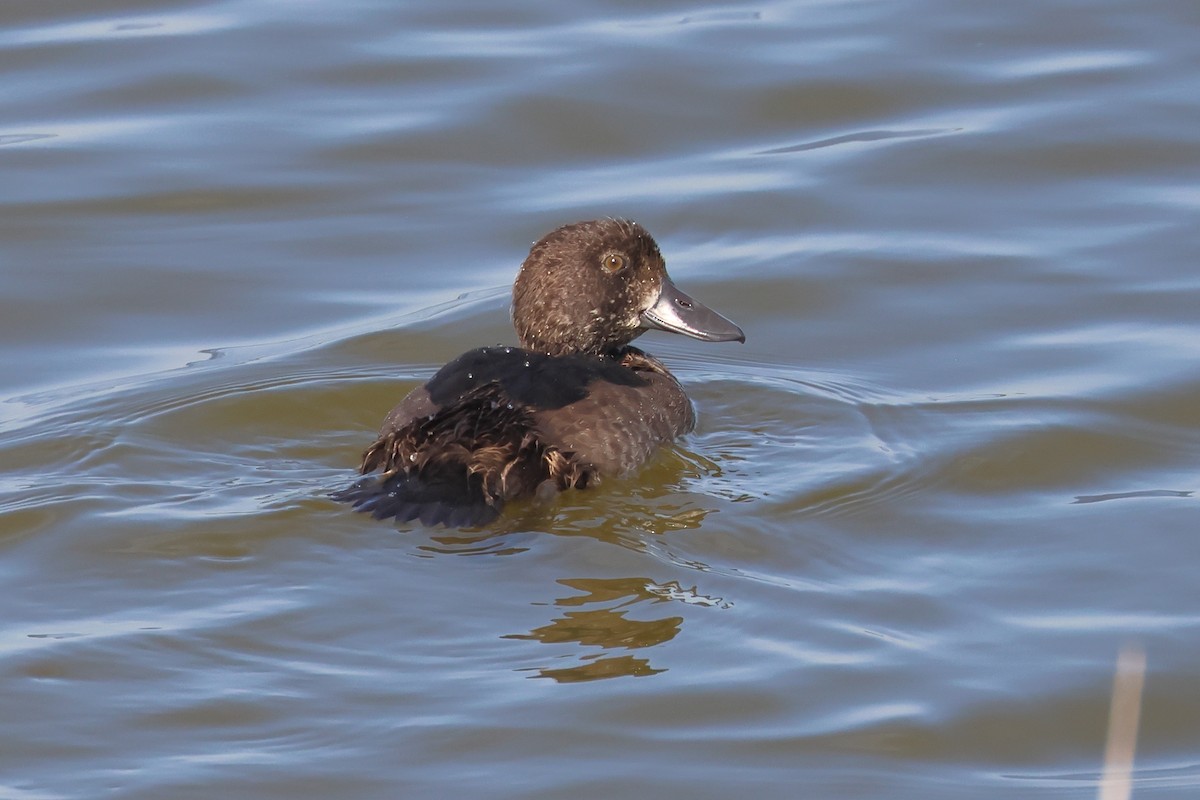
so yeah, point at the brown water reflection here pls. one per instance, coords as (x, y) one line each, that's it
(609, 628)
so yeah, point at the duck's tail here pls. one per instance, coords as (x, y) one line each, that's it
(459, 466)
(455, 504)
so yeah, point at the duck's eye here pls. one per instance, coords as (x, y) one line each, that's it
(613, 263)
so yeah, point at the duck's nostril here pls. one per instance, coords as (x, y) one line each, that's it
(683, 303)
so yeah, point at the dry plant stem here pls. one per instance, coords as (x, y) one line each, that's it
(1117, 782)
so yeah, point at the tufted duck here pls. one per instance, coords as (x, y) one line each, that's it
(573, 403)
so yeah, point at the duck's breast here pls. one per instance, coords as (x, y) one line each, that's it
(615, 428)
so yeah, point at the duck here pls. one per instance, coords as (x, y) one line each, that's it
(573, 404)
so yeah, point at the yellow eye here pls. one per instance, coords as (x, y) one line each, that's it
(613, 263)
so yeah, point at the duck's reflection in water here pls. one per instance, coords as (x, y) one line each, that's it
(627, 523)
(624, 512)
(607, 627)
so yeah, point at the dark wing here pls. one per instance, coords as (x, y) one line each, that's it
(455, 467)
(499, 423)
(528, 379)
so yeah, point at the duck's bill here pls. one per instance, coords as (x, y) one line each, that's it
(676, 312)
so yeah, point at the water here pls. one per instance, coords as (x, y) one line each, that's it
(951, 472)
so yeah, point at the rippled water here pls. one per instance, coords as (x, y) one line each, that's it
(951, 472)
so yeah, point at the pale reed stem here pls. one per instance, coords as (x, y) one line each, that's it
(1117, 781)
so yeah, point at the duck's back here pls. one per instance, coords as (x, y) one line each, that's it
(502, 422)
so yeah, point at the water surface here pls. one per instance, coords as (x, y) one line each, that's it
(951, 472)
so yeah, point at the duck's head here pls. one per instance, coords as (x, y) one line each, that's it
(592, 287)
